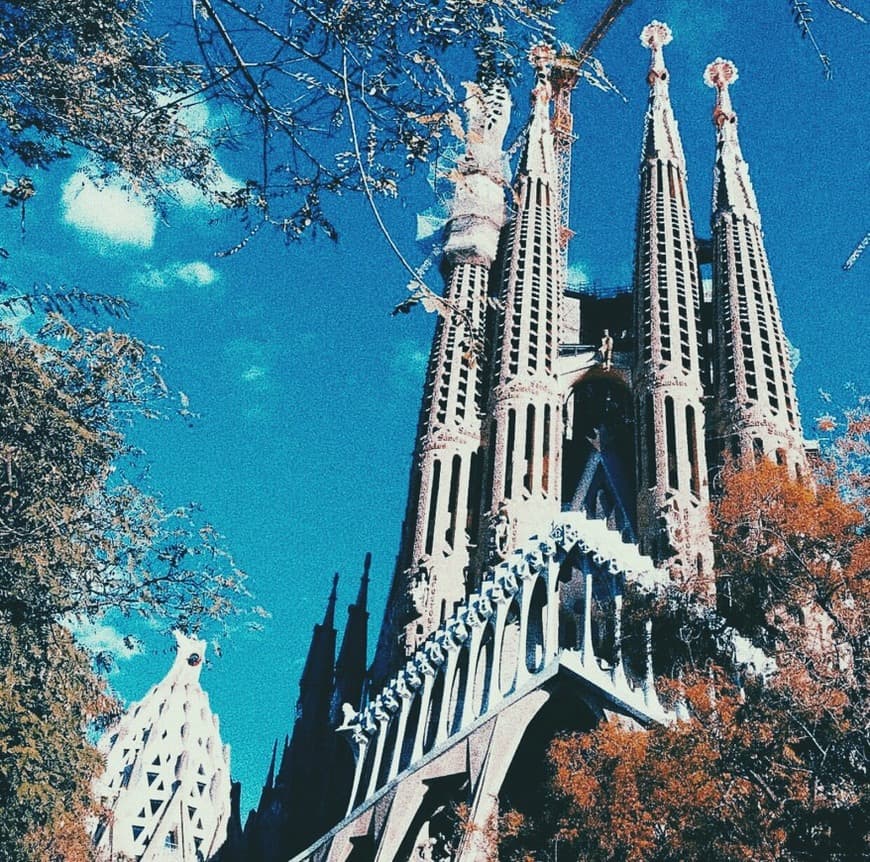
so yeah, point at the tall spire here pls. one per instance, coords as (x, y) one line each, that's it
(317, 673)
(350, 669)
(673, 496)
(757, 413)
(444, 494)
(523, 422)
(661, 138)
(732, 189)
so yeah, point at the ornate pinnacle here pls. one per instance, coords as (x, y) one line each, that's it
(719, 75)
(542, 56)
(655, 35)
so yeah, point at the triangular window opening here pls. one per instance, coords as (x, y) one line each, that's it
(151, 776)
(201, 787)
(137, 831)
(155, 805)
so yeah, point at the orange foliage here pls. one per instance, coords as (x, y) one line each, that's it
(763, 769)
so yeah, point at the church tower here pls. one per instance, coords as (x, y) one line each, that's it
(757, 412)
(673, 496)
(167, 776)
(524, 419)
(444, 495)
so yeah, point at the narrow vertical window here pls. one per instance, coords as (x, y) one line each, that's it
(453, 499)
(671, 441)
(694, 471)
(473, 501)
(509, 455)
(758, 449)
(545, 461)
(530, 447)
(433, 506)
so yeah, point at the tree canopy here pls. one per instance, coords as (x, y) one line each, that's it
(80, 538)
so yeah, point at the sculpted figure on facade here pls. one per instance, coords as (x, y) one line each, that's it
(606, 350)
(500, 535)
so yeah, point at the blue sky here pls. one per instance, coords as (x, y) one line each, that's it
(309, 391)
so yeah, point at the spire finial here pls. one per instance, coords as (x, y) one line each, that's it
(329, 616)
(362, 596)
(655, 36)
(542, 56)
(719, 75)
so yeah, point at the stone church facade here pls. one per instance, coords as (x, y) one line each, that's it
(554, 465)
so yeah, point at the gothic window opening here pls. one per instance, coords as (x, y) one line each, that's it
(671, 443)
(509, 454)
(691, 434)
(433, 506)
(453, 499)
(472, 506)
(530, 448)
(545, 459)
(758, 449)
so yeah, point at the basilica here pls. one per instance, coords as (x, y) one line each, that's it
(568, 445)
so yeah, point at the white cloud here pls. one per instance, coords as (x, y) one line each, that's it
(107, 212)
(197, 273)
(101, 637)
(188, 195)
(194, 273)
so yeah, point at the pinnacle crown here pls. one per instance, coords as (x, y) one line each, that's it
(656, 34)
(720, 74)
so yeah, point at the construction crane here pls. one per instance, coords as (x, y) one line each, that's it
(563, 78)
(852, 259)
